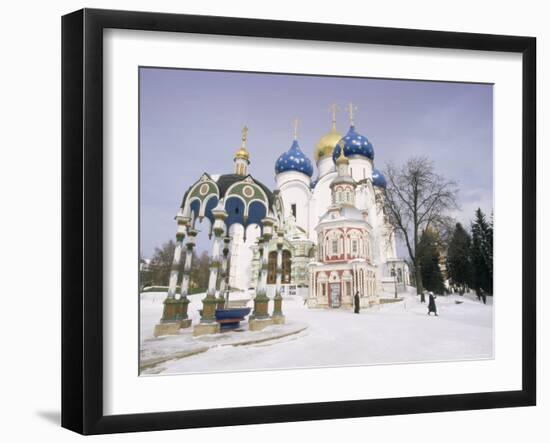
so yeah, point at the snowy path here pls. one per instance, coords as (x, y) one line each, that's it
(392, 333)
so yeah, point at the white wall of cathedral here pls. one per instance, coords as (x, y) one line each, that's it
(312, 204)
(360, 168)
(296, 194)
(241, 255)
(321, 199)
(392, 245)
(376, 219)
(325, 166)
(364, 197)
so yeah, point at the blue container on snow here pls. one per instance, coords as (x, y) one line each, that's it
(230, 318)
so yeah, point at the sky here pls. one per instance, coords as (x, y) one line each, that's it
(191, 121)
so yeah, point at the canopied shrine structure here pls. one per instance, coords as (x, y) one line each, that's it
(218, 204)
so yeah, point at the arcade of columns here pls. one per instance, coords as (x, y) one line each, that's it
(175, 312)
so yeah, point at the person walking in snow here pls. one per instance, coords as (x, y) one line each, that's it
(356, 302)
(423, 296)
(483, 296)
(431, 304)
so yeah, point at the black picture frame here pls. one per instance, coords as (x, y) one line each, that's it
(82, 216)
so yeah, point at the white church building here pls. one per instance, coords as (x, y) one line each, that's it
(337, 238)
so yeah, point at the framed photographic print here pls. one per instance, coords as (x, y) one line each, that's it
(269, 221)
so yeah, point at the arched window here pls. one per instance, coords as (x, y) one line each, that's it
(348, 288)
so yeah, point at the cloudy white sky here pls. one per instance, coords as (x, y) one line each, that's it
(190, 122)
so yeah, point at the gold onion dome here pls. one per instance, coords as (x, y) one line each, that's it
(242, 152)
(326, 144)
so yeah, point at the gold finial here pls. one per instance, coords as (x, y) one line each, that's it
(341, 156)
(242, 152)
(244, 136)
(351, 108)
(296, 123)
(334, 109)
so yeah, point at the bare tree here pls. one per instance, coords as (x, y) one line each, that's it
(417, 198)
(161, 263)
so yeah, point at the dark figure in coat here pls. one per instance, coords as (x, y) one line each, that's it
(484, 297)
(478, 294)
(356, 302)
(431, 304)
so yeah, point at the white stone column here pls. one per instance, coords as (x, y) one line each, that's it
(215, 264)
(190, 245)
(263, 269)
(260, 254)
(183, 223)
(174, 310)
(183, 304)
(174, 271)
(278, 317)
(208, 324)
(279, 275)
(224, 283)
(260, 317)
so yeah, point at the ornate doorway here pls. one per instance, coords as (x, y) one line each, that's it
(335, 298)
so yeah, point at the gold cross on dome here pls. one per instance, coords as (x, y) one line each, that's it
(244, 134)
(334, 109)
(351, 108)
(296, 123)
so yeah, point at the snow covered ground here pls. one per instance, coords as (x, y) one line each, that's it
(391, 333)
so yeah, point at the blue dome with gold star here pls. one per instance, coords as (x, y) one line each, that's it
(378, 179)
(294, 160)
(354, 144)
